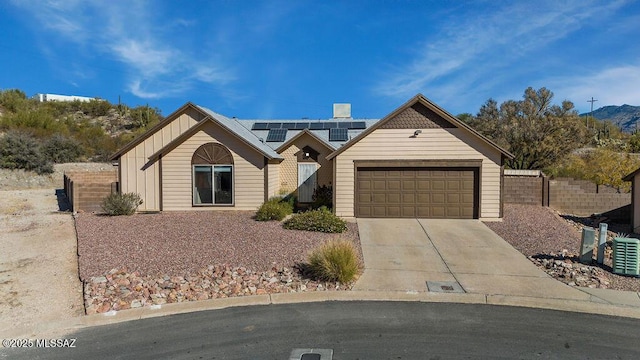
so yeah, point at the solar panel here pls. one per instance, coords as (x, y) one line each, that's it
(274, 125)
(330, 125)
(259, 126)
(336, 134)
(302, 125)
(359, 125)
(289, 125)
(344, 124)
(316, 126)
(276, 135)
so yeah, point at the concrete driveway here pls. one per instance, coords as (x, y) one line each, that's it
(433, 255)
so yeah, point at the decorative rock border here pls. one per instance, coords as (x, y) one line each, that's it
(119, 289)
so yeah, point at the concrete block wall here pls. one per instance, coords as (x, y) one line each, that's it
(583, 198)
(526, 190)
(86, 190)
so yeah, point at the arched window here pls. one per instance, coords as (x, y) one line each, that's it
(212, 166)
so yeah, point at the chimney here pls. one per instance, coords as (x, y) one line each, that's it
(341, 111)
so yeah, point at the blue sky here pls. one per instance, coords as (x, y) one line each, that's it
(294, 59)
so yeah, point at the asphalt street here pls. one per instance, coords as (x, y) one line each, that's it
(356, 330)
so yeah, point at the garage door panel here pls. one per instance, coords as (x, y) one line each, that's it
(437, 198)
(408, 198)
(394, 185)
(438, 185)
(379, 185)
(423, 185)
(417, 192)
(394, 198)
(408, 184)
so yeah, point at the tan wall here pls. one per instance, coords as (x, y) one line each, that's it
(145, 181)
(248, 172)
(273, 177)
(431, 144)
(289, 167)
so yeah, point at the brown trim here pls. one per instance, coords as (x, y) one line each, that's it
(266, 179)
(160, 183)
(501, 214)
(631, 176)
(431, 106)
(417, 163)
(633, 205)
(120, 175)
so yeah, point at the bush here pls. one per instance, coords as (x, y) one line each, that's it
(274, 209)
(20, 150)
(322, 196)
(334, 261)
(121, 204)
(61, 149)
(321, 220)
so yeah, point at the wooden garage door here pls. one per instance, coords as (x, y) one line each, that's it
(446, 193)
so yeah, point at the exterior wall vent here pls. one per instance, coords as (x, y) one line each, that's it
(626, 256)
(341, 111)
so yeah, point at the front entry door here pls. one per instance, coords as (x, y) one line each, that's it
(306, 182)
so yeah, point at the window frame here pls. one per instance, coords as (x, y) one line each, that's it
(213, 186)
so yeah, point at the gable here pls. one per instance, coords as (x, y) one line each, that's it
(417, 116)
(418, 112)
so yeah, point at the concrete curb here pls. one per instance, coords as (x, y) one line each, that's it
(595, 306)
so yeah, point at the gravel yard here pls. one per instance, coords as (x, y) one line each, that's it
(147, 259)
(176, 243)
(552, 243)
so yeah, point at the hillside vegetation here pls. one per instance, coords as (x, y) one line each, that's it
(34, 135)
(554, 138)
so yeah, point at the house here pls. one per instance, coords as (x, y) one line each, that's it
(634, 177)
(418, 161)
(55, 97)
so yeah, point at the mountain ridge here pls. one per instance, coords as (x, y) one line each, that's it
(626, 117)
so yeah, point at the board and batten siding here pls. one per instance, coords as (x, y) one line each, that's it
(248, 172)
(273, 178)
(431, 144)
(137, 176)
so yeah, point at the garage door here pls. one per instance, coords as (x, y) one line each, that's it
(445, 193)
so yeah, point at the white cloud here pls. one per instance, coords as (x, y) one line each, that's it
(477, 48)
(611, 86)
(129, 32)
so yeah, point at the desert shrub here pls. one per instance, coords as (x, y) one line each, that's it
(13, 99)
(96, 107)
(334, 261)
(322, 196)
(274, 209)
(62, 149)
(19, 150)
(121, 204)
(321, 220)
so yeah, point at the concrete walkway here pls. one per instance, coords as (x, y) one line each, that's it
(455, 256)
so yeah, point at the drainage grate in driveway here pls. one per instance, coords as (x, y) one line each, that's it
(444, 286)
(311, 354)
